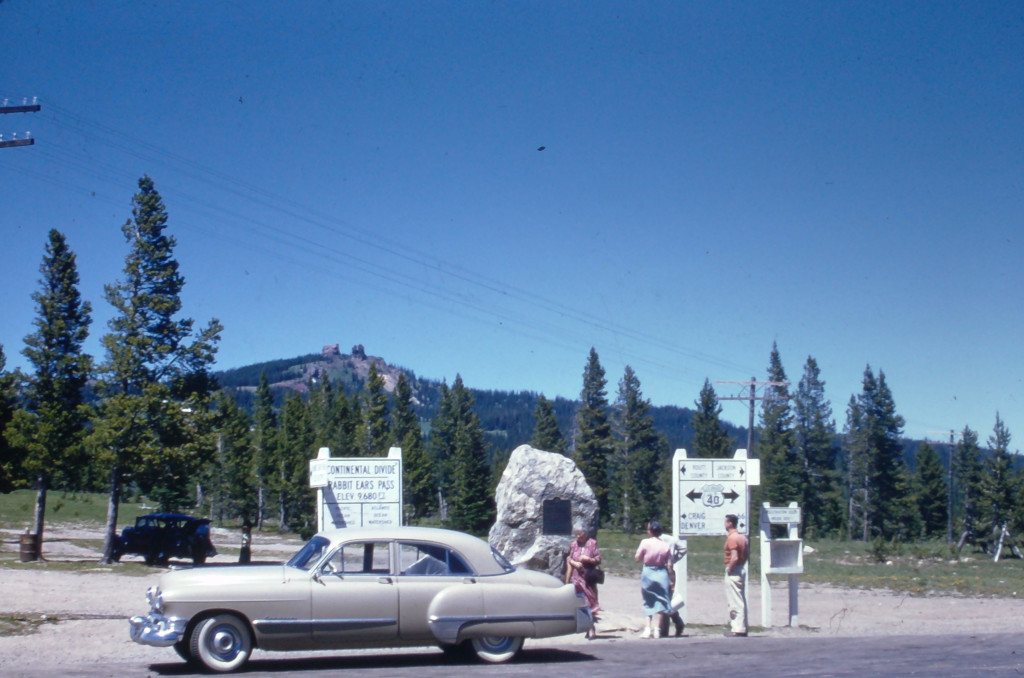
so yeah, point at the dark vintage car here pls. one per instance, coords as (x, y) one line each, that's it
(158, 537)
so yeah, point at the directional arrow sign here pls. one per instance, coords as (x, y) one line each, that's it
(706, 490)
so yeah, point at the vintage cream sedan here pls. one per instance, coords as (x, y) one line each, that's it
(361, 588)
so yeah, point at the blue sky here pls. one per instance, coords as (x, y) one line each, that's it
(844, 179)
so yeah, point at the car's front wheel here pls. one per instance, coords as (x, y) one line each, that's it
(183, 650)
(497, 649)
(221, 643)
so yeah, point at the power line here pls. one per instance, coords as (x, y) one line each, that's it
(749, 393)
(501, 296)
(24, 107)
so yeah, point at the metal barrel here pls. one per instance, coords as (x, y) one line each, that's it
(29, 547)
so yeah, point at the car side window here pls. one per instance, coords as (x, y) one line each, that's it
(426, 560)
(362, 557)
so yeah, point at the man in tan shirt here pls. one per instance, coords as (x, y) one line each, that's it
(736, 547)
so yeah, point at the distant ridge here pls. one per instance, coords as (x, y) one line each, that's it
(296, 374)
(506, 416)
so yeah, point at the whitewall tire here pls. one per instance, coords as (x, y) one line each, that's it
(221, 643)
(497, 649)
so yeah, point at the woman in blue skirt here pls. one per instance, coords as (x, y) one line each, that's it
(654, 580)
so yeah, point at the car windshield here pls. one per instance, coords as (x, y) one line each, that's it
(310, 554)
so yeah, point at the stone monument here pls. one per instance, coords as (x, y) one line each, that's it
(536, 483)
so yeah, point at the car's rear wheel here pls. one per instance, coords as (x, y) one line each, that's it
(221, 643)
(458, 652)
(497, 649)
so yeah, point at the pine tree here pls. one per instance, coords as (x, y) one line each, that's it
(50, 428)
(891, 475)
(639, 458)
(499, 462)
(967, 478)
(814, 438)
(374, 437)
(232, 479)
(156, 379)
(441, 444)
(461, 447)
(417, 471)
(878, 480)
(546, 434)
(10, 459)
(930, 491)
(296, 506)
(781, 472)
(999, 486)
(265, 448)
(325, 416)
(594, 443)
(710, 439)
(857, 471)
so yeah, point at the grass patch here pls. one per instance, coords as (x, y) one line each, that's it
(17, 509)
(23, 624)
(920, 568)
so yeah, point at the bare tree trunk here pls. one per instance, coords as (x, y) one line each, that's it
(850, 505)
(442, 506)
(866, 527)
(112, 506)
(261, 506)
(40, 513)
(999, 544)
(963, 540)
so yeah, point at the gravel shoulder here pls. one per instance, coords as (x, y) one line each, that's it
(93, 608)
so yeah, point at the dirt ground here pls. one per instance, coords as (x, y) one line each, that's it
(94, 607)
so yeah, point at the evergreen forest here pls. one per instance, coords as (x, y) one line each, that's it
(153, 418)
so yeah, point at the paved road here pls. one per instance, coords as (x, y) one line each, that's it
(983, 654)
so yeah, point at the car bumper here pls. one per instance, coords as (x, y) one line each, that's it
(157, 630)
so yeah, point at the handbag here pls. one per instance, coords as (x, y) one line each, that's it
(593, 574)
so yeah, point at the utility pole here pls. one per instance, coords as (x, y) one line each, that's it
(24, 107)
(949, 480)
(749, 393)
(949, 493)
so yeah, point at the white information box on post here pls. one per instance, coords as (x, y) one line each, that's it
(357, 491)
(704, 492)
(784, 555)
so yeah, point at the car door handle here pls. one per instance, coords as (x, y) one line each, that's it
(384, 580)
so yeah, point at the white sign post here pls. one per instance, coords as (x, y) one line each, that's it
(357, 491)
(704, 492)
(780, 556)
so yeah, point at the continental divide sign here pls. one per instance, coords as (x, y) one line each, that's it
(357, 491)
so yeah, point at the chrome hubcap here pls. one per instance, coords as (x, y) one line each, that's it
(225, 643)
